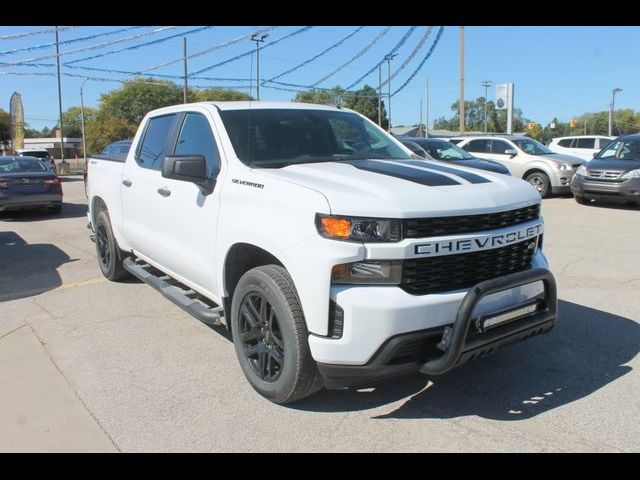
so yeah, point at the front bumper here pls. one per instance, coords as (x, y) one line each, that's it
(626, 191)
(461, 341)
(561, 181)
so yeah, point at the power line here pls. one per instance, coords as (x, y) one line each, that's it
(417, 70)
(210, 49)
(250, 52)
(415, 51)
(37, 32)
(323, 52)
(397, 47)
(66, 42)
(133, 47)
(356, 56)
(83, 49)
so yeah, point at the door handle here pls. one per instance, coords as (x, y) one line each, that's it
(127, 182)
(164, 192)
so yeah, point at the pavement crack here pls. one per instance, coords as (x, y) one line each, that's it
(12, 331)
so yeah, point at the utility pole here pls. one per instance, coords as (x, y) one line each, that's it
(388, 58)
(611, 108)
(461, 79)
(84, 141)
(59, 97)
(380, 95)
(426, 94)
(420, 127)
(258, 39)
(184, 93)
(486, 84)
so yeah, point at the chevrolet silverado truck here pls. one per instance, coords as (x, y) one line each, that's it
(334, 256)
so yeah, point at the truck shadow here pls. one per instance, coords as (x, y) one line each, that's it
(587, 350)
(28, 269)
(69, 210)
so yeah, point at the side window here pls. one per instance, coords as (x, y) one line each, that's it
(153, 148)
(565, 142)
(586, 143)
(500, 146)
(479, 146)
(611, 150)
(196, 138)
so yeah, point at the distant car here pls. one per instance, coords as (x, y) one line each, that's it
(612, 175)
(440, 149)
(528, 159)
(27, 182)
(581, 146)
(40, 153)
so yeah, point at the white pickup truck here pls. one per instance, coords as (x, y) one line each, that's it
(335, 257)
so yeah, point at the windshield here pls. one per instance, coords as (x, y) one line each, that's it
(280, 137)
(21, 165)
(446, 151)
(532, 147)
(621, 150)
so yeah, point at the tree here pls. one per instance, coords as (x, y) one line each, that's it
(72, 120)
(216, 95)
(5, 126)
(474, 117)
(137, 97)
(100, 132)
(363, 101)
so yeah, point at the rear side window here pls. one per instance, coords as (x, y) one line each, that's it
(565, 142)
(479, 146)
(499, 146)
(603, 142)
(196, 138)
(153, 148)
(586, 143)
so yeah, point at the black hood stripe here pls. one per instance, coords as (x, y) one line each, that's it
(415, 175)
(469, 177)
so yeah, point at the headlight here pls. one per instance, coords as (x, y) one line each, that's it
(631, 174)
(582, 170)
(384, 272)
(358, 229)
(563, 167)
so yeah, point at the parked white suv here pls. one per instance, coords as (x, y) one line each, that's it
(527, 158)
(581, 146)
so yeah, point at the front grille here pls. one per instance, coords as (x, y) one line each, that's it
(451, 272)
(430, 227)
(603, 174)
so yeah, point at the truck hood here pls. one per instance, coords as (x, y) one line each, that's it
(407, 188)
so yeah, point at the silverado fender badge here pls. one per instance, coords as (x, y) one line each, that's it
(248, 184)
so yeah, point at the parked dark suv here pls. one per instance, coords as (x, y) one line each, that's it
(612, 175)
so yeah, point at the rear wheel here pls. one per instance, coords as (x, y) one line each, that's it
(109, 255)
(270, 336)
(541, 183)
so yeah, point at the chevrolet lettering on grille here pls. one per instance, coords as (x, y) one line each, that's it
(474, 243)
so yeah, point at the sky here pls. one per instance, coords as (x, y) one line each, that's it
(557, 71)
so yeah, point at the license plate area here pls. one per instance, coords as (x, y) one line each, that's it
(496, 319)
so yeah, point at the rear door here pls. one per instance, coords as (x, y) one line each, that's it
(479, 147)
(584, 148)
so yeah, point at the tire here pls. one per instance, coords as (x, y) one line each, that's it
(109, 255)
(270, 336)
(582, 200)
(540, 182)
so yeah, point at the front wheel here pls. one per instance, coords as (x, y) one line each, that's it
(270, 336)
(541, 183)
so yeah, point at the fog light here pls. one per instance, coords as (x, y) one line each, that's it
(563, 181)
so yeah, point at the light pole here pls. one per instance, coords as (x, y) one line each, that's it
(84, 140)
(486, 84)
(611, 107)
(258, 39)
(60, 100)
(388, 58)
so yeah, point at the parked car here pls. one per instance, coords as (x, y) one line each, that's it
(27, 182)
(527, 158)
(118, 150)
(440, 149)
(334, 257)
(612, 175)
(581, 146)
(40, 153)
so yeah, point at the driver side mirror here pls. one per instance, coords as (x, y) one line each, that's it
(595, 154)
(189, 168)
(511, 151)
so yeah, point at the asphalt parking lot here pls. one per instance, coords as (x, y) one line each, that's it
(89, 365)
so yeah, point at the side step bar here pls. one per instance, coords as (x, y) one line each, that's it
(180, 296)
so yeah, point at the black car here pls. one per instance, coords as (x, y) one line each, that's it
(27, 182)
(612, 175)
(440, 149)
